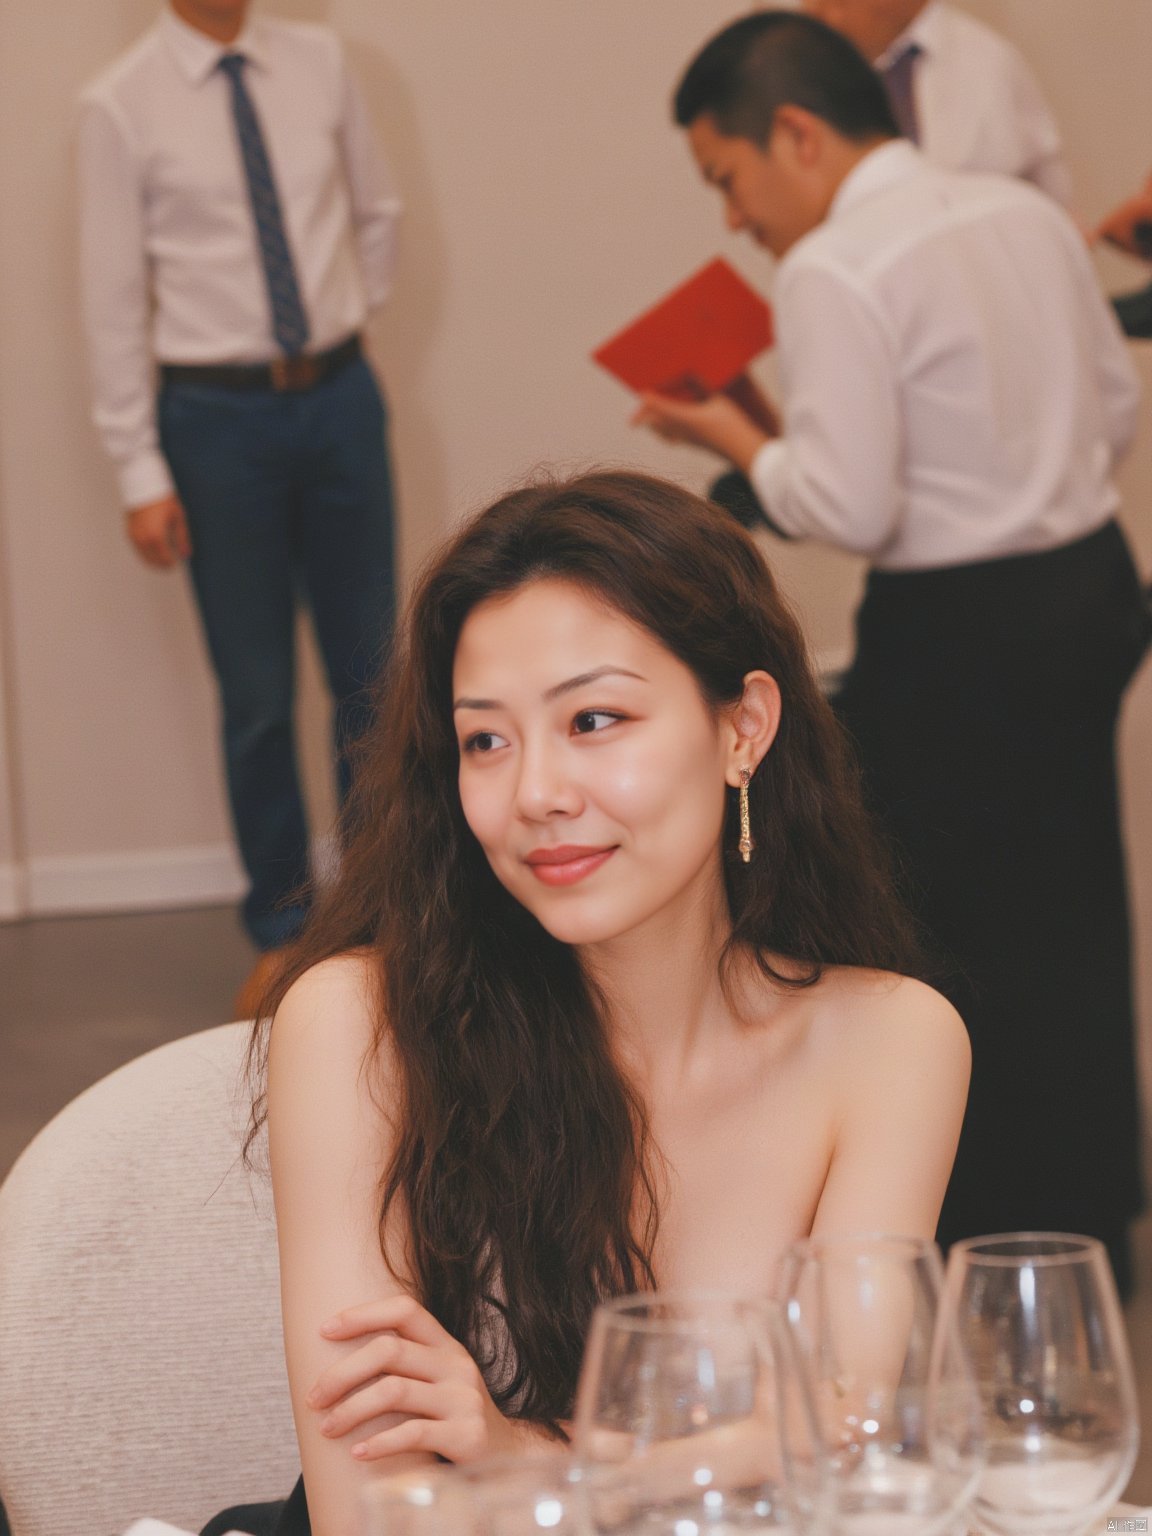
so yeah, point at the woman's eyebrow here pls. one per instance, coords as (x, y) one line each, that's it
(557, 690)
(590, 677)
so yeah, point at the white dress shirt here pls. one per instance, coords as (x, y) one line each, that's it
(954, 387)
(978, 105)
(170, 264)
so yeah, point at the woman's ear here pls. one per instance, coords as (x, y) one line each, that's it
(754, 722)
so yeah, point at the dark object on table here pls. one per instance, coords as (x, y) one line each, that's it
(1134, 312)
(733, 491)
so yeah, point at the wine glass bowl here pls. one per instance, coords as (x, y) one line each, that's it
(678, 1417)
(429, 1502)
(895, 1405)
(537, 1495)
(1042, 1322)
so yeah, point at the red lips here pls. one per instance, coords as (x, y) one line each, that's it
(567, 864)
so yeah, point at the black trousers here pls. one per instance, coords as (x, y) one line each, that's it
(984, 701)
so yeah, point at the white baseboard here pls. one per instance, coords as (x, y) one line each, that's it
(152, 879)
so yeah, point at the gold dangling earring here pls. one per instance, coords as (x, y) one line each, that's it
(745, 845)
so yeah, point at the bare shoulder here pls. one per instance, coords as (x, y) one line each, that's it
(328, 1020)
(871, 1019)
(335, 996)
(330, 1075)
(344, 977)
(894, 1059)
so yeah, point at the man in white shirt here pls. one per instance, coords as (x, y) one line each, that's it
(955, 394)
(237, 224)
(958, 89)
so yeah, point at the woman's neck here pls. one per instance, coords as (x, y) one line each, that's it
(663, 988)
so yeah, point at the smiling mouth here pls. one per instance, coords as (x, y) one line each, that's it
(568, 865)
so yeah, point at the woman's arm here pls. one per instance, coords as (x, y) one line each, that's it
(382, 1366)
(901, 1069)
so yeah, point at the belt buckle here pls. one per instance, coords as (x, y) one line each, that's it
(293, 373)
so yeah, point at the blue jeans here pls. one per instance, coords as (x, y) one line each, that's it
(288, 497)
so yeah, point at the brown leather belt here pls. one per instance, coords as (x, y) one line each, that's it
(284, 374)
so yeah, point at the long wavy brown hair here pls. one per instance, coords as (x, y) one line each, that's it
(523, 1165)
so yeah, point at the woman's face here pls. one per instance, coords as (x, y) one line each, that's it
(592, 772)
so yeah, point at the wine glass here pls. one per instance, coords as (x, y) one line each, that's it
(679, 1413)
(1042, 1323)
(430, 1502)
(537, 1495)
(896, 1406)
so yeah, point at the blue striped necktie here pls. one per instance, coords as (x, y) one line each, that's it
(289, 322)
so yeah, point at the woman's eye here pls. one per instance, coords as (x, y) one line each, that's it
(589, 720)
(483, 742)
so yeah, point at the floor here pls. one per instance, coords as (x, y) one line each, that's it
(80, 996)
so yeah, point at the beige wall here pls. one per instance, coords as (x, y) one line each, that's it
(12, 894)
(548, 199)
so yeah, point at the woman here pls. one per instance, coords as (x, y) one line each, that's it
(604, 997)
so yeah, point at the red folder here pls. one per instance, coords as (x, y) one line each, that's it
(696, 340)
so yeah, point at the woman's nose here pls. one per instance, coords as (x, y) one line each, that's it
(545, 786)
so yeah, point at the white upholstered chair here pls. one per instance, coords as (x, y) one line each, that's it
(141, 1369)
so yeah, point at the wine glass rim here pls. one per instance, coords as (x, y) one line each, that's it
(417, 1489)
(628, 1311)
(858, 1244)
(1068, 1247)
(556, 1466)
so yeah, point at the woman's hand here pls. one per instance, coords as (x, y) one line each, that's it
(408, 1365)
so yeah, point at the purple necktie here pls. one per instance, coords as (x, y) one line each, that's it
(898, 82)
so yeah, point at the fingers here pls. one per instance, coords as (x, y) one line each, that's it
(407, 1365)
(460, 1438)
(155, 553)
(401, 1314)
(153, 547)
(385, 1355)
(400, 1395)
(670, 432)
(659, 416)
(647, 413)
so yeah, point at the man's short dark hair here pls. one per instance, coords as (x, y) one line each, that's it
(776, 58)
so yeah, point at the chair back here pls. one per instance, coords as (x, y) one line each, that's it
(141, 1363)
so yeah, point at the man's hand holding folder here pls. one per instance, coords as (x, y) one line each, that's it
(735, 422)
